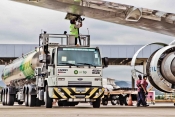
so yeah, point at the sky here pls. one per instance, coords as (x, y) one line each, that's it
(22, 24)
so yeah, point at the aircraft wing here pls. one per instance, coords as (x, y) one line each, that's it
(141, 18)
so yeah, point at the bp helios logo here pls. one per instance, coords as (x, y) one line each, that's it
(75, 71)
(80, 72)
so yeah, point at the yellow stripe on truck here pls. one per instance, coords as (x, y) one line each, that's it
(92, 92)
(59, 93)
(68, 92)
(99, 94)
(54, 96)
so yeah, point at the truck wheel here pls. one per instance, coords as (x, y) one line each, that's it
(26, 99)
(96, 104)
(126, 100)
(31, 100)
(105, 101)
(42, 102)
(20, 103)
(38, 102)
(10, 99)
(3, 98)
(121, 100)
(48, 99)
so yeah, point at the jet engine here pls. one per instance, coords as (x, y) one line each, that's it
(160, 67)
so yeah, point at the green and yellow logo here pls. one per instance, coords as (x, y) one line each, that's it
(75, 71)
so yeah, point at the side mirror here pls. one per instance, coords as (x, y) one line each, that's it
(105, 61)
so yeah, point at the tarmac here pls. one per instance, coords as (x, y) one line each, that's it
(86, 110)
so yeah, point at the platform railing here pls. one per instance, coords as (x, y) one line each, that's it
(65, 39)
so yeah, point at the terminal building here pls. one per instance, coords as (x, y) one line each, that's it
(117, 54)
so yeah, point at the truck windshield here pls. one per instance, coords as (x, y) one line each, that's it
(79, 56)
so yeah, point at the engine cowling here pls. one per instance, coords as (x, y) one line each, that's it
(160, 69)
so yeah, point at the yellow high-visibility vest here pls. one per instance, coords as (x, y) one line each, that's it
(73, 30)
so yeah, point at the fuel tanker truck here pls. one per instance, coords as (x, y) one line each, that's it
(62, 71)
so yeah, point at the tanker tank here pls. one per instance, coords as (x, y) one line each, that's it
(21, 68)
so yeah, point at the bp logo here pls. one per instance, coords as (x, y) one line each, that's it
(76, 72)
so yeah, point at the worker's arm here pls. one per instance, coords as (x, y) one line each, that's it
(143, 88)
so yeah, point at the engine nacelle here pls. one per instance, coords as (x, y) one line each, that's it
(160, 68)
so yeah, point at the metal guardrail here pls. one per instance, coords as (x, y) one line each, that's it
(65, 39)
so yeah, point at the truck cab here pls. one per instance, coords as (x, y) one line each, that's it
(73, 72)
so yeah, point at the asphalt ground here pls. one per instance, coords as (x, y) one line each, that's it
(86, 110)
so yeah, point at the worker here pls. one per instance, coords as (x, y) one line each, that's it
(138, 83)
(74, 29)
(143, 90)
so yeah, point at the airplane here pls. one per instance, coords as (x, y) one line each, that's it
(141, 18)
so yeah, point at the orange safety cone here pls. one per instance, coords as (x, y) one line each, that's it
(130, 101)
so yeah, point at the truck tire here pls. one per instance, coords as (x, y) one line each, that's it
(121, 100)
(38, 102)
(105, 101)
(48, 99)
(42, 102)
(31, 100)
(10, 99)
(3, 98)
(26, 99)
(96, 104)
(126, 100)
